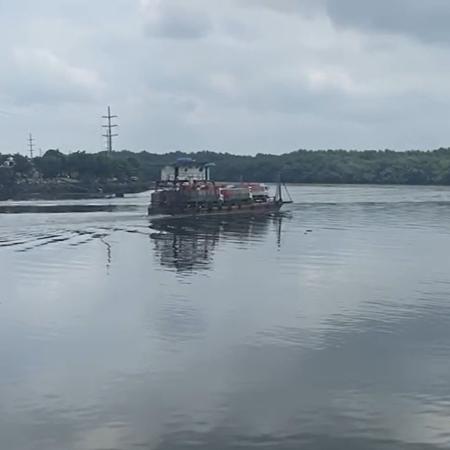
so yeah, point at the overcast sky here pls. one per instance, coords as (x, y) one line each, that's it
(241, 76)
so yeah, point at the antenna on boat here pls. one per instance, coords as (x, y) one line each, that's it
(278, 194)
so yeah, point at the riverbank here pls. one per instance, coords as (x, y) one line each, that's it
(63, 189)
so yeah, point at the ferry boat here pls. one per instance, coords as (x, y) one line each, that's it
(185, 189)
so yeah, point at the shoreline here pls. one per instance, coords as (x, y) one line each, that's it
(70, 191)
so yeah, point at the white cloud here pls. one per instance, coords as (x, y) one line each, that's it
(39, 76)
(44, 63)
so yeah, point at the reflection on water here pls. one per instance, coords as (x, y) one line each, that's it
(325, 327)
(188, 244)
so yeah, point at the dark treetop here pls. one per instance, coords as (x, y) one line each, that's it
(96, 170)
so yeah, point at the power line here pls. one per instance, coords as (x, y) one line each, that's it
(109, 127)
(31, 145)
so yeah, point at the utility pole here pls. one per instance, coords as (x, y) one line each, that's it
(31, 145)
(109, 127)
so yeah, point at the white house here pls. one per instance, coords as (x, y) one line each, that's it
(9, 162)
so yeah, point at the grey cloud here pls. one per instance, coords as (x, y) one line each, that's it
(427, 20)
(285, 6)
(178, 22)
(256, 75)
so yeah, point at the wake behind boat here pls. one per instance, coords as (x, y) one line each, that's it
(186, 189)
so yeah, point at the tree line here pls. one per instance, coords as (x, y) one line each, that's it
(301, 166)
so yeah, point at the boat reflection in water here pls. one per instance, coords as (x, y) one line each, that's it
(188, 244)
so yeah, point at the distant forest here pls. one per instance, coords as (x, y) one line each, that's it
(302, 166)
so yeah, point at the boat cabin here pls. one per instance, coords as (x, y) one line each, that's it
(186, 169)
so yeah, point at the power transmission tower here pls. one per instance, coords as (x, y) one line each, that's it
(31, 145)
(109, 127)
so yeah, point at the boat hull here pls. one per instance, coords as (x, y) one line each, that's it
(250, 209)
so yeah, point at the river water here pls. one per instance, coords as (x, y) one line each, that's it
(325, 327)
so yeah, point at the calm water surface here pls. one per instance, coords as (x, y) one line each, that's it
(326, 327)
